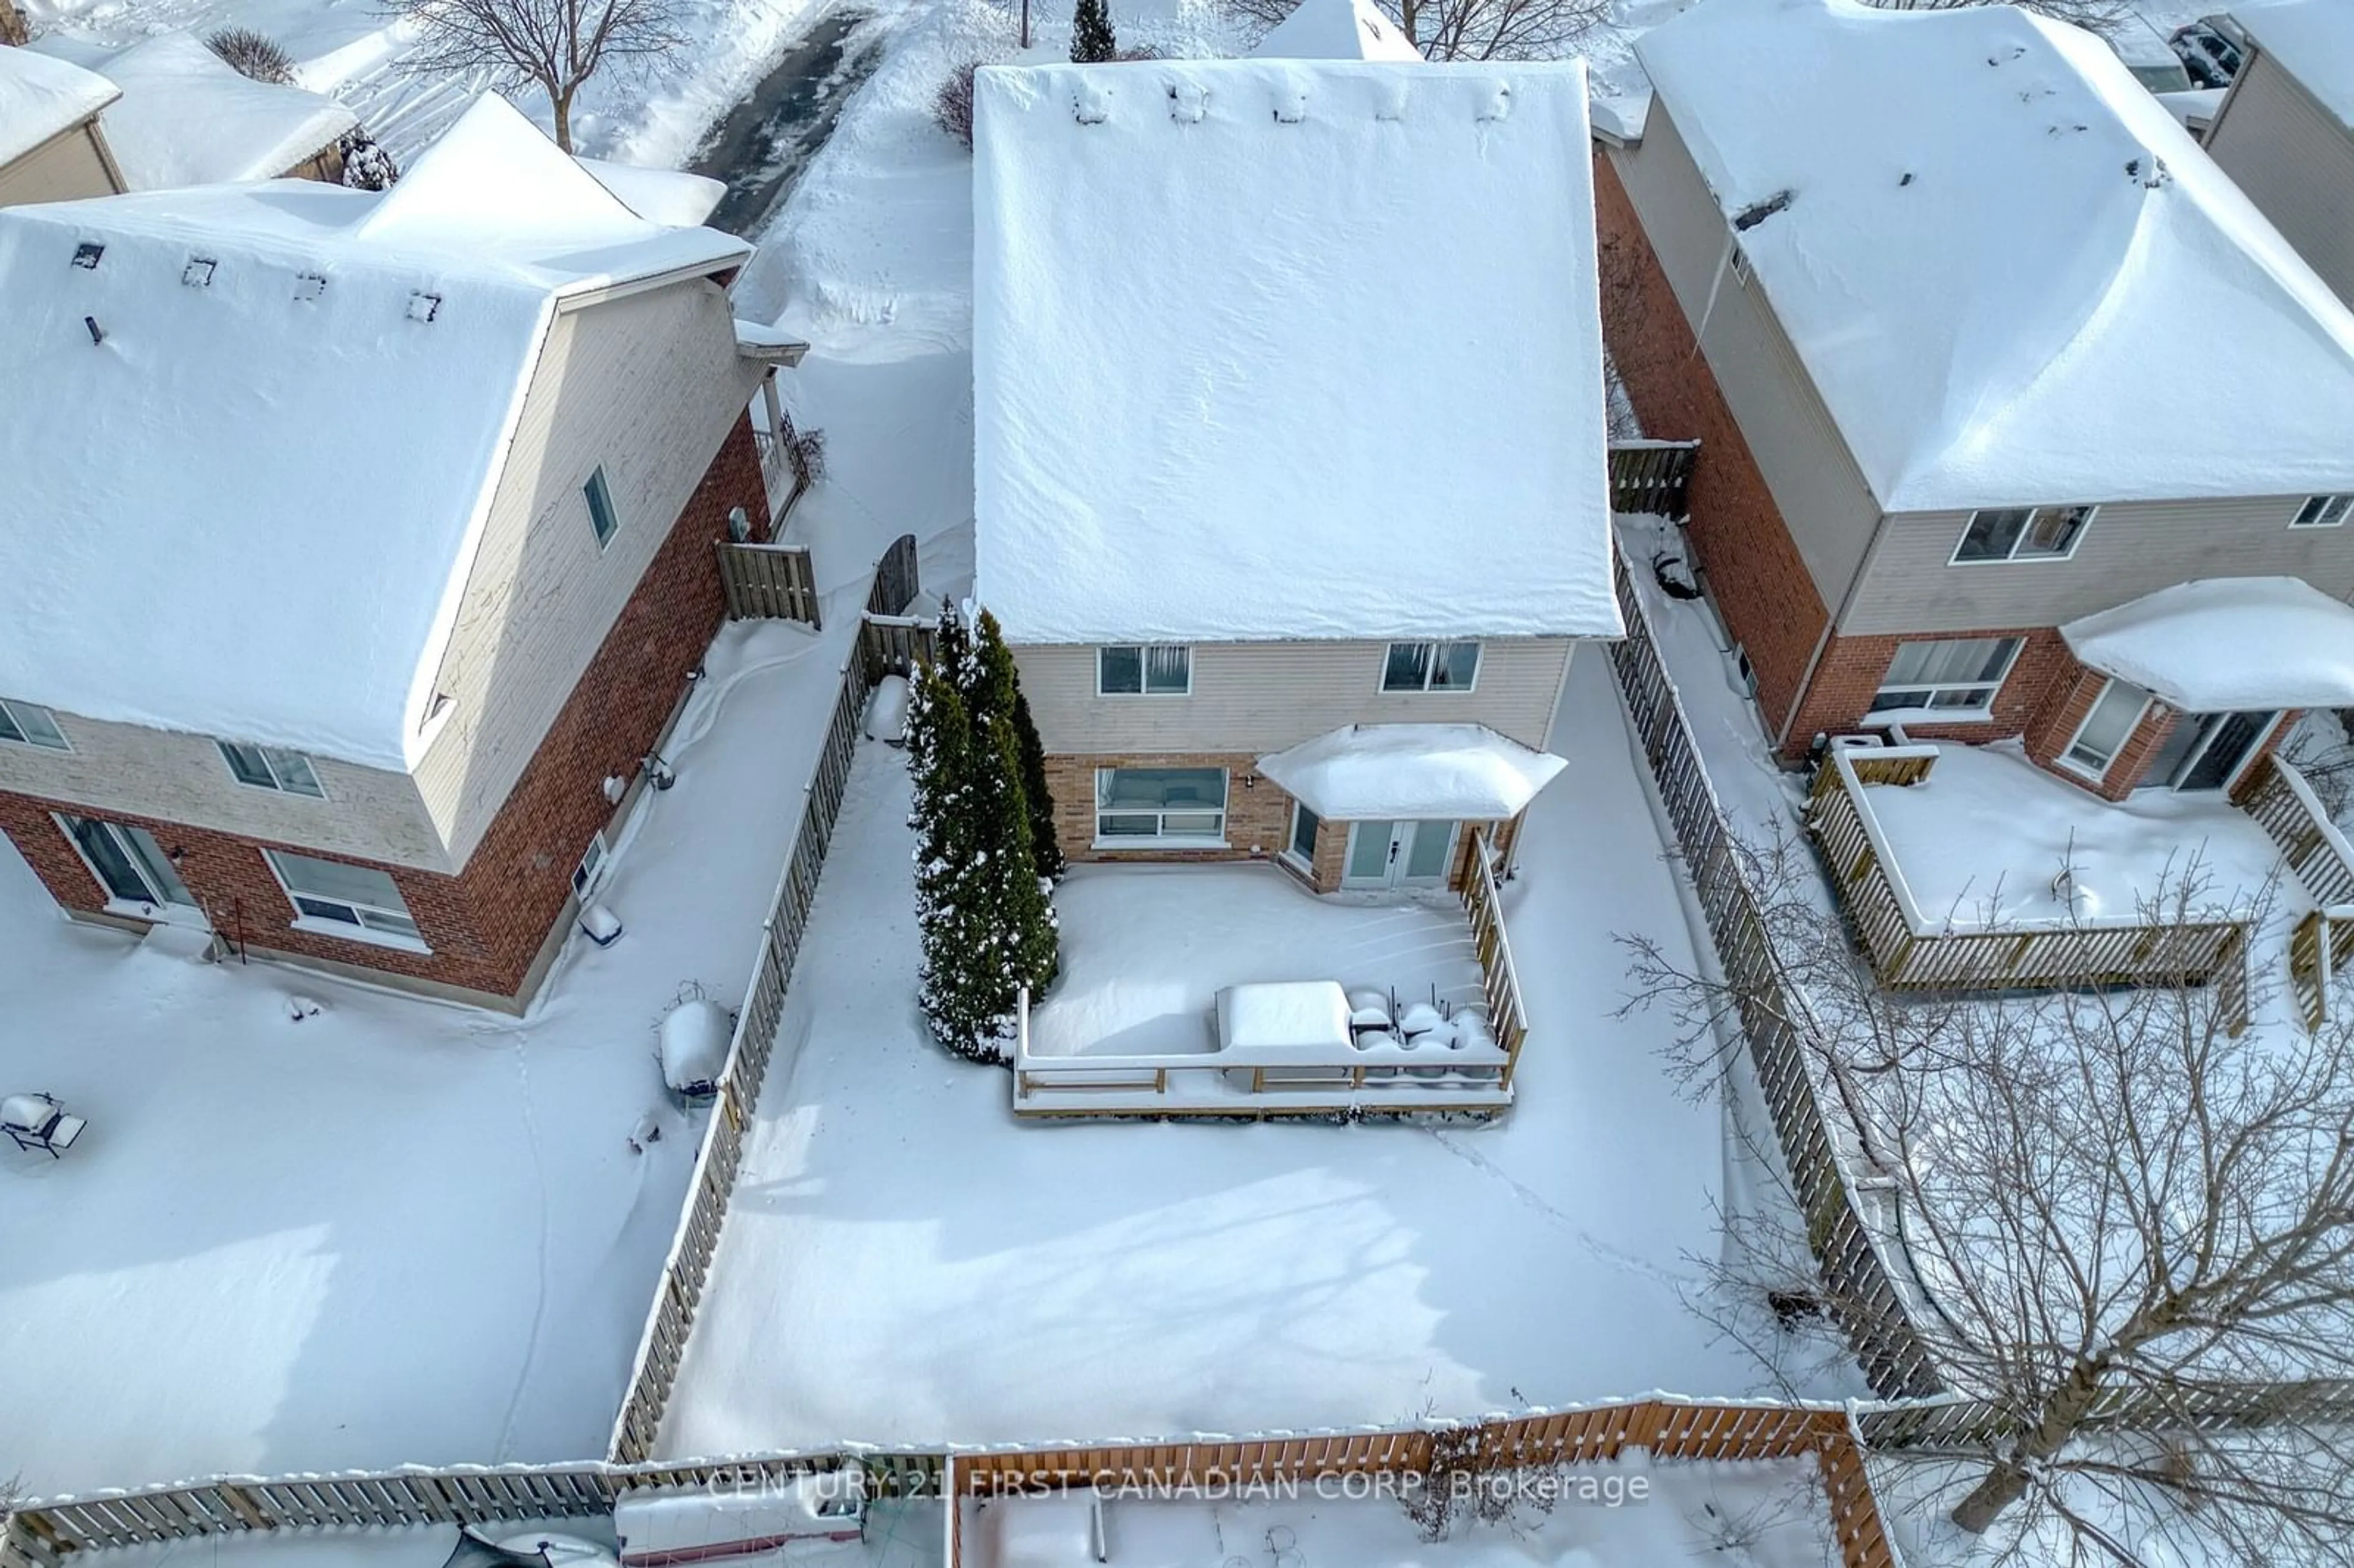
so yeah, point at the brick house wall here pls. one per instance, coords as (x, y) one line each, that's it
(1259, 819)
(1846, 677)
(1736, 529)
(488, 923)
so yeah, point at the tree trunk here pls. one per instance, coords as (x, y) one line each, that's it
(1409, 20)
(562, 103)
(13, 29)
(2007, 1481)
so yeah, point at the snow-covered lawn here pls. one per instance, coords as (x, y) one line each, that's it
(1145, 948)
(905, 1262)
(398, 1230)
(1766, 1513)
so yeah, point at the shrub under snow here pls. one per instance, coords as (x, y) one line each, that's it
(253, 54)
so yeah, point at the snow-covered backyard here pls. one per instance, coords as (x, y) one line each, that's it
(905, 1262)
(1766, 1513)
(394, 1232)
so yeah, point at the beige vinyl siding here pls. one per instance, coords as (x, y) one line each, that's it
(1264, 696)
(2297, 163)
(2128, 549)
(1822, 494)
(648, 385)
(68, 166)
(132, 770)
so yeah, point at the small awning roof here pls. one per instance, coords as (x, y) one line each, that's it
(1421, 772)
(2225, 644)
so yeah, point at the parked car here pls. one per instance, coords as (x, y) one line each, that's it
(2151, 57)
(2211, 49)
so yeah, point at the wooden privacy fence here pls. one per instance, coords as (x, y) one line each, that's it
(895, 641)
(1667, 1428)
(1653, 477)
(45, 1534)
(1908, 951)
(1930, 1423)
(769, 582)
(688, 1267)
(1872, 1311)
(1508, 1019)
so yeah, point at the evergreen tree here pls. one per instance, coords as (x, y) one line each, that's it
(995, 688)
(987, 929)
(1091, 37)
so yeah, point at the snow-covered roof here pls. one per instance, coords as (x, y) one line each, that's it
(40, 95)
(2225, 644)
(1424, 771)
(659, 196)
(2314, 42)
(1336, 30)
(283, 449)
(2012, 275)
(187, 118)
(1219, 394)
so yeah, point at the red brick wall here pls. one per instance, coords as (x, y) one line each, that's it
(1766, 595)
(1849, 674)
(486, 924)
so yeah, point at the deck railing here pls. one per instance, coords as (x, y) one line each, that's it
(2277, 796)
(1871, 1308)
(1508, 1018)
(1652, 477)
(772, 582)
(1910, 952)
(685, 1271)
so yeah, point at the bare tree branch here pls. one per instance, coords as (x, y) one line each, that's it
(556, 44)
(1470, 29)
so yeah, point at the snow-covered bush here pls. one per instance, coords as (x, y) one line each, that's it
(254, 54)
(367, 165)
(1092, 42)
(952, 105)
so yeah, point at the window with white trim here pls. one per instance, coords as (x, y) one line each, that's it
(1431, 667)
(343, 894)
(2103, 734)
(1160, 805)
(1304, 823)
(1958, 675)
(593, 865)
(2323, 512)
(602, 518)
(1147, 668)
(2022, 533)
(269, 768)
(29, 723)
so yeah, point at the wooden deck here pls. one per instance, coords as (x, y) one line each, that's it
(1908, 951)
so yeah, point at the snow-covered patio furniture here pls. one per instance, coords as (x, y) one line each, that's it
(37, 1121)
(1286, 1034)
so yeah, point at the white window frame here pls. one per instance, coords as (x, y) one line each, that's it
(2014, 557)
(2067, 757)
(1161, 838)
(594, 489)
(1430, 671)
(143, 907)
(354, 930)
(2328, 512)
(1739, 267)
(1144, 651)
(1923, 715)
(12, 717)
(591, 869)
(279, 763)
(1291, 836)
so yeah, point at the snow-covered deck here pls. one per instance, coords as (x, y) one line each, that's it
(1970, 866)
(1129, 1024)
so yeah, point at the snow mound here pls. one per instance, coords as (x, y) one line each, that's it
(1210, 404)
(304, 397)
(670, 196)
(2314, 41)
(40, 95)
(1422, 772)
(187, 118)
(1336, 30)
(2226, 644)
(2013, 276)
